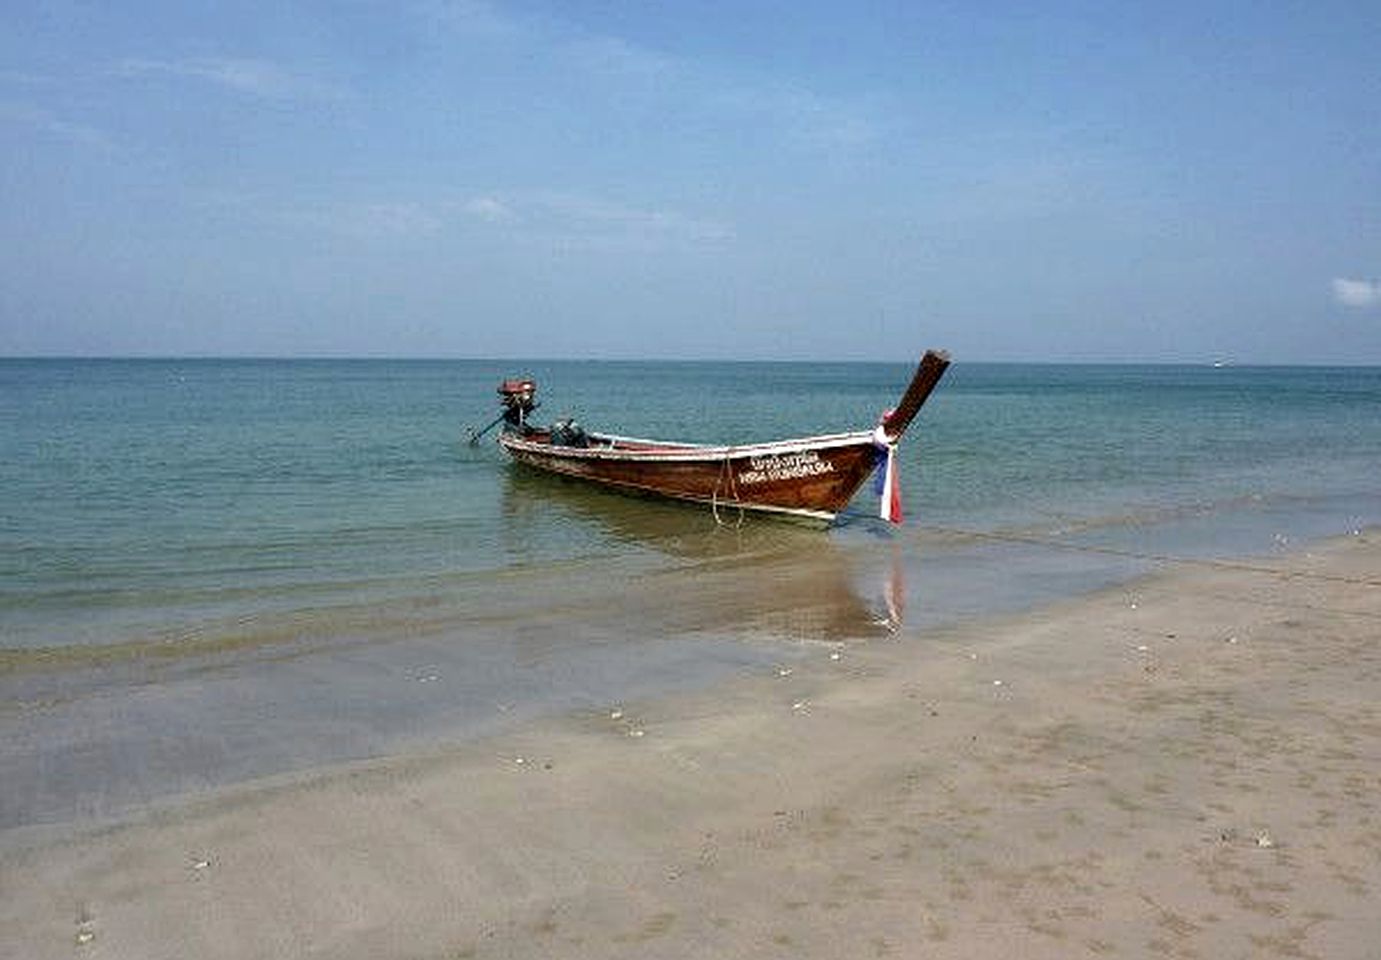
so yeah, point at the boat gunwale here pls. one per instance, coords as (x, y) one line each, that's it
(671, 452)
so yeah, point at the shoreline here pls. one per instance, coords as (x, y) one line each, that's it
(99, 730)
(1182, 764)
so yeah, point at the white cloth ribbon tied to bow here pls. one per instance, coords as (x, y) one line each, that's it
(888, 481)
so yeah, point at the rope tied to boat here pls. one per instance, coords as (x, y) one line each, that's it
(726, 470)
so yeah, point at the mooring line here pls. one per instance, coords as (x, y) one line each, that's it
(726, 469)
(1236, 565)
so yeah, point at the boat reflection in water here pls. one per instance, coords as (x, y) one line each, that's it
(674, 570)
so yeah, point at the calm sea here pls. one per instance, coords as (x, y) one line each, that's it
(217, 569)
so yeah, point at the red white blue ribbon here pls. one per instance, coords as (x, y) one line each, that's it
(888, 478)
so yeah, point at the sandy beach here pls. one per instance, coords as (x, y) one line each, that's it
(1187, 765)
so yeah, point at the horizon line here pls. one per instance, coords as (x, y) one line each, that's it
(1218, 363)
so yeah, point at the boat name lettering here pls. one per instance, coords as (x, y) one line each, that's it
(785, 466)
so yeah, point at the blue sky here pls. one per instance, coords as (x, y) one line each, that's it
(1057, 181)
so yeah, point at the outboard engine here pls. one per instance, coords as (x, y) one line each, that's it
(518, 397)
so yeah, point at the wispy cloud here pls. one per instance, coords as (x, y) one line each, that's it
(808, 118)
(613, 57)
(802, 117)
(472, 17)
(566, 219)
(366, 220)
(256, 78)
(25, 79)
(490, 209)
(50, 123)
(359, 220)
(579, 218)
(1356, 293)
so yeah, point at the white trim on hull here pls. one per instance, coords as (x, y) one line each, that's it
(679, 452)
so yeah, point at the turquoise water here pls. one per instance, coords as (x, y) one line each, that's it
(199, 543)
(149, 498)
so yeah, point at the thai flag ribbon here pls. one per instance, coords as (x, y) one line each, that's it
(888, 482)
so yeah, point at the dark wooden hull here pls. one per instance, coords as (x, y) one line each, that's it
(812, 479)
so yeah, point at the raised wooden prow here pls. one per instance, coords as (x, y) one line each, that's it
(932, 367)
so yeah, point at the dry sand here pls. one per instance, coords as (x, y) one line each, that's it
(1185, 766)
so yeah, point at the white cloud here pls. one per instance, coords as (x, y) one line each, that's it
(566, 219)
(489, 209)
(584, 219)
(352, 219)
(256, 78)
(1357, 293)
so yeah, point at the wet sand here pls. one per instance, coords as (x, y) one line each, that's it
(1187, 765)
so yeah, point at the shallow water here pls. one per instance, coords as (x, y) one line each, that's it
(214, 570)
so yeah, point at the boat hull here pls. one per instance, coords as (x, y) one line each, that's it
(810, 479)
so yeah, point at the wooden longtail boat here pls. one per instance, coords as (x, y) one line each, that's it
(810, 478)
